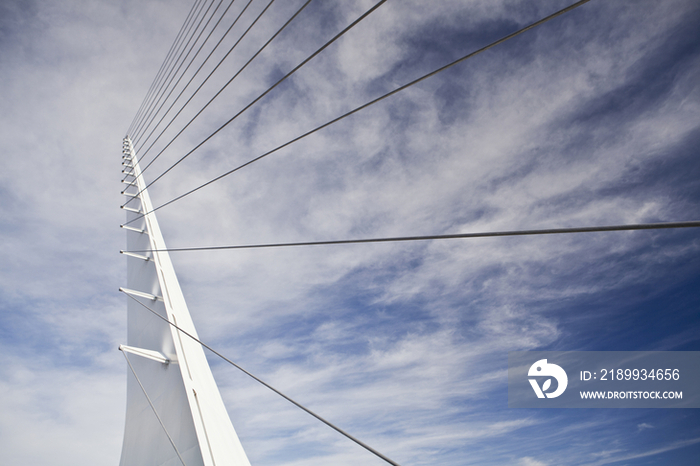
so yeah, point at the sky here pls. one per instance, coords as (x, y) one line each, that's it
(590, 119)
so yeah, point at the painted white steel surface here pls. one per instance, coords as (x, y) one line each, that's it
(144, 353)
(183, 392)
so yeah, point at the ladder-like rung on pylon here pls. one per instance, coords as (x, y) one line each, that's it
(138, 256)
(141, 294)
(137, 230)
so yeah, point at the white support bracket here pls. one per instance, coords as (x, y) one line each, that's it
(141, 294)
(137, 230)
(144, 353)
(138, 256)
(130, 209)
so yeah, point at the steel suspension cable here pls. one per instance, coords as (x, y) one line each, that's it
(225, 85)
(168, 61)
(299, 66)
(196, 72)
(266, 385)
(182, 75)
(173, 72)
(489, 234)
(370, 103)
(177, 51)
(152, 86)
(211, 73)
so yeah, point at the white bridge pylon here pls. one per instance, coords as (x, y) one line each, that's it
(174, 411)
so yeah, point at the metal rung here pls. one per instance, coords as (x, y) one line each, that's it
(127, 227)
(136, 211)
(141, 294)
(144, 353)
(138, 256)
(130, 183)
(130, 194)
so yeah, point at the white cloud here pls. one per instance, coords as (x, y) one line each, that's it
(644, 454)
(527, 461)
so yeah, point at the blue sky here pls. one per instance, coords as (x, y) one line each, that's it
(591, 119)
